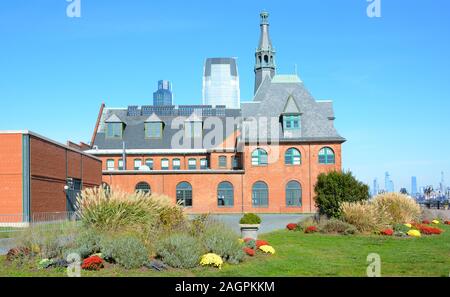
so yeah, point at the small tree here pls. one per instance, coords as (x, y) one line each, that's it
(333, 188)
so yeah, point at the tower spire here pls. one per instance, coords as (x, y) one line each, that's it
(265, 53)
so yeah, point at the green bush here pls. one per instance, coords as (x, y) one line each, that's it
(180, 250)
(250, 218)
(127, 251)
(333, 188)
(401, 228)
(337, 226)
(221, 240)
(86, 243)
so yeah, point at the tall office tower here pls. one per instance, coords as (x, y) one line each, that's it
(388, 183)
(442, 183)
(221, 83)
(376, 187)
(265, 54)
(163, 96)
(413, 186)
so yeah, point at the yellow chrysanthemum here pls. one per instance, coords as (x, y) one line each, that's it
(408, 225)
(267, 249)
(435, 222)
(241, 240)
(211, 259)
(414, 233)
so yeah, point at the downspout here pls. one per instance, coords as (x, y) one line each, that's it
(310, 182)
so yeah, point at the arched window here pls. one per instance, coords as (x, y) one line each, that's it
(165, 164)
(259, 157)
(143, 187)
(225, 194)
(192, 164)
(184, 194)
(326, 156)
(266, 58)
(292, 157)
(293, 193)
(137, 164)
(260, 194)
(110, 164)
(149, 163)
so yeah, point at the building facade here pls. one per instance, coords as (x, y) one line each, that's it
(262, 157)
(221, 83)
(41, 176)
(163, 96)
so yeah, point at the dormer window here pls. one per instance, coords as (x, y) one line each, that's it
(291, 122)
(153, 130)
(153, 127)
(114, 130)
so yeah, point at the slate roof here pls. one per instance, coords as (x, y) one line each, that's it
(134, 132)
(274, 97)
(271, 99)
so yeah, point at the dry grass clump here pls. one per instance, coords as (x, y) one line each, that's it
(365, 216)
(399, 207)
(114, 209)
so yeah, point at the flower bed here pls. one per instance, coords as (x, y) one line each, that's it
(311, 229)
(92, 263)
(291, 226)
(427, 230)
(211, 259)
(387, 232)
(249, 251)
(267, 249)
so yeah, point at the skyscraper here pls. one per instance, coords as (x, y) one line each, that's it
(442, 183)
(265, 54)
(376, 187)
(163, 96)
(221, 83)
(388, 183)
(413, 186)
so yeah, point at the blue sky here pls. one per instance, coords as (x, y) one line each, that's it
(388, 76)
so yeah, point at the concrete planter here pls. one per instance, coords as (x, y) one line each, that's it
(249, 230)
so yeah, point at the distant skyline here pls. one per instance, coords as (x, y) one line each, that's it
(388, 76)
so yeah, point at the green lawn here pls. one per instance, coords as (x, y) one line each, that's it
(299, 254)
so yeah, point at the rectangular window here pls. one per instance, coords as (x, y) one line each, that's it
(137, 164)
(192, 164)
(120, 164)
(114, 130)
(235, 162)
(222, 162)
(149, 163)
(176, 164)
(203, 164)
(153, 130)
(164, 164)
(110, 164)
(291, 122)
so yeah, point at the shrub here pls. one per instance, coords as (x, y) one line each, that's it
(17, 254)
(221, 240)
(291, 226)
(249, 251)
(311, 229)
(427, 230)
(387, 232)
(267, 249)
(250, 218)
(260, 243)
(92, 263)
(426, 222)
(126, 250)
(114, 209)
(337, 226)
(399, 208)
(180, 250)
(364, 216)
(86, 243)
(401, 228)
(302, 225)
(336, 187)
(251, 243)
(447, 222)
(211, 259)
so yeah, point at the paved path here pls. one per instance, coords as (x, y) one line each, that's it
(270, 222)
(5, 245)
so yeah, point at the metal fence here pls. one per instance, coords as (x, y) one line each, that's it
(12, 223)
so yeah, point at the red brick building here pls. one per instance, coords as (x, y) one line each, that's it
(39, 175)
(262, 157)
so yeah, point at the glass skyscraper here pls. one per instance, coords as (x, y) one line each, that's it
(221, 83)
(163, 96)
(413, 186)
